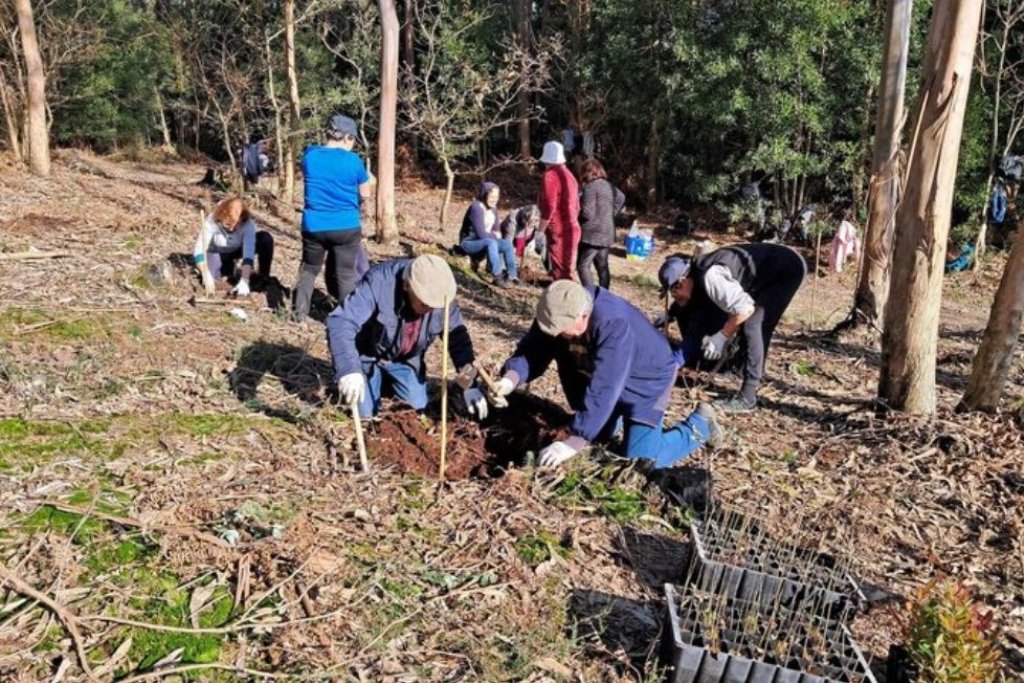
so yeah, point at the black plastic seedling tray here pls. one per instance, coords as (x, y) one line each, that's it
(739, 560)
(741, 642)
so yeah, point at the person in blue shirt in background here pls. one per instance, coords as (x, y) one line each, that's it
(336, 186)
(617, 371)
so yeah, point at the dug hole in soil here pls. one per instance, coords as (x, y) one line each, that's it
(412, 442)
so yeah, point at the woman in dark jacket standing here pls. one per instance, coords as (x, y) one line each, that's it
(597, 211)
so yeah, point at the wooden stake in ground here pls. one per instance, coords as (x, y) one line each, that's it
(668, 305)
(360, 441)
(444, 391)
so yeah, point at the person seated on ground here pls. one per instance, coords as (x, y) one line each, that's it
(959, 260)
(616, 370)
(379, 335)
(481, 236)
(745, 286)
(227, 234)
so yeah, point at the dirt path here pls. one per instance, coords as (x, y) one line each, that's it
(119, 396)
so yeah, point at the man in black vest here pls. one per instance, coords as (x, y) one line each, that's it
(744, 286)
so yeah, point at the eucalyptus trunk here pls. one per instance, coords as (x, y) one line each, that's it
(38, 133)
(884, 184)
(387, 224)
(999, 344)
(910, 333)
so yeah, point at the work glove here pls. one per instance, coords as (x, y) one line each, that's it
(555, 454)
(503, 388)
(242, 288)
(352, 388)
(714, 346)
(476, 404)
(209, 284)
(660, 321)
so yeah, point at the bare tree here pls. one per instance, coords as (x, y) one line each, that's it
(455, 102)
(996, 353)
(1006, 78)
(910, 334)
(523, 38)
(387, 225)
(883, 192)
(294, 122)
(38, 132)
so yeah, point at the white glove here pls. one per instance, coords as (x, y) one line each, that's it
(352, 388)
(714, 346)
(555, 454)
(209, 284)
(503, 388)
(242, 288)
(476, 404)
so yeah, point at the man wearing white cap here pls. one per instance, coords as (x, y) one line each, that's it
(380, 333)
(559, 203)
(615, 368)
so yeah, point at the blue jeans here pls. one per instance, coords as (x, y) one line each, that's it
(669, 446)
(497, 251)
(402, 380)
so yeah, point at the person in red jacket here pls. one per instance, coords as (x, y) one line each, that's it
(559, 203)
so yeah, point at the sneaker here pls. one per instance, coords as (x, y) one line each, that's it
(500, 283)
(715, 433)
(736, 404)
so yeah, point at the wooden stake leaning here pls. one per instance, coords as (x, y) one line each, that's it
(360, 441)
(444, 391)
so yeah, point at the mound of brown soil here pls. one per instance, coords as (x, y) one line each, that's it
(412, 442)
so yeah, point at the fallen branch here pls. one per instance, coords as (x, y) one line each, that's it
(213, 630)
(185, 668)
(34, 255)
(63, 613)
(185, 531)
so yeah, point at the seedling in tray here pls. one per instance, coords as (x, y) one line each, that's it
(733, 553)
(714, 638)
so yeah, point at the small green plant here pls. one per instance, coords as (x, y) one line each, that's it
(539, 547)
(948, 637)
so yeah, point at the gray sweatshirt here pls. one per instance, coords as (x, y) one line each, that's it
(597, 213)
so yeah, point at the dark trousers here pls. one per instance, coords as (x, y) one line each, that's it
(771, 303)
(264, 256)
(598, 256)
(344, 246)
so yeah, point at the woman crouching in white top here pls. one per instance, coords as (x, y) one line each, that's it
(229, 233)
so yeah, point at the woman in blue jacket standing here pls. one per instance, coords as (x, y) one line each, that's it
(336, 185)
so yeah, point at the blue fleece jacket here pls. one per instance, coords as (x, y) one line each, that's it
(622, 365)
(367, 326)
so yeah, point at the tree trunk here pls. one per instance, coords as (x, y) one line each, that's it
(293, 102)
(387, 226)
(653, 162)
(278, 138)
(910, 334)
(996, 353)
(408, 36)
(449, 186)
(164, 129)
(522, 18)
(11, 118)
(884, 185)
(38, 135)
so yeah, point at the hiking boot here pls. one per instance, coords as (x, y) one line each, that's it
(715, 433)
(500, 283)
(736, 404)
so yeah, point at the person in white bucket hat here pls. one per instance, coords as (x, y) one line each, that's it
(559, 203)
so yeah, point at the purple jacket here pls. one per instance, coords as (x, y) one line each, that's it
(621, 366)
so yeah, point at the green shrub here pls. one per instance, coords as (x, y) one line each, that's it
(948, 636)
